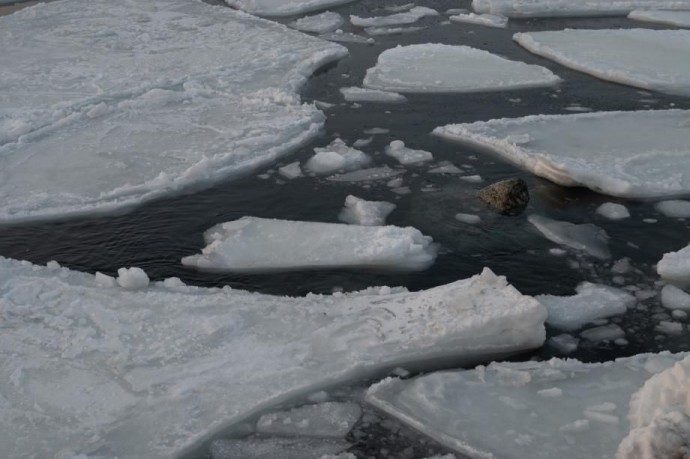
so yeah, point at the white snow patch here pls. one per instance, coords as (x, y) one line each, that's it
(367, 213)
(672, 18)
(405, 155)
(489, 20)
(353, 94)
(585, 237)
(326, 420)
(613, 211)
(319, 23)
(407, 17)
(565, 8)
(277, 8)
(336, 157)
(674, 208)
(674, 267)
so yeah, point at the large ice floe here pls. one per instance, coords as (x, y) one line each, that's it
(432, 67)
(605, 151)
(657, 60)
(553, 409)
(673, 18)
(259, 245)
(565, 8)
(277, 8)
(152, 373)
(105, 105)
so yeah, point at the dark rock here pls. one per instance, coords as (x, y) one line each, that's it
(509, 197)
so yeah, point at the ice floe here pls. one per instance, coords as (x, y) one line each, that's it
(326, 420)
(674, 298)
(276, 8)
(592, 302)
(132, 278)
(346, 37)
(337, 156)
(586, 237)
(674, 208)
(408, 17)
(613, 211)
(112, 372)
(260, 245)
(318, 23)
(290, 171)
(674, 267)
(405, 155)
(375, 31)
(558, 8)
(367, 175)
(447, 68)
(489, 20)
(85, 127)
(557, 408)
(673, 18)
(470, 219)
(367, 213)
(657, 60)
(605, 151)
(353, 94)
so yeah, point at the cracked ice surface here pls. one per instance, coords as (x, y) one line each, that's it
(151, 373)
(558, 8)
(604, 151)
(105, 105)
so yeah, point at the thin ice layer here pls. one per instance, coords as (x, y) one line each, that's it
(666, 17)
(277, 8)
(107, 104)
(152, 373)
(657, 60)
(540, 410)
(259, 245)
(605, 151)
(566, 8)
(446, 68)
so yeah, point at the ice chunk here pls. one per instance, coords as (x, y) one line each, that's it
(346, 37)
(318, 23)
(489, 20)
(446, 168)
(564, 343)
(602, 333)
(657, 60)
(290, 171)
(131, 278)
(674, 267)
(134, 374)
(673, 18)
(371, 95)
(447, 68)
(276, 448)
(329, 419)
(674, 208)
(613, 211)
(606, 151)
(565, 8)
(83, 128)
(103, 280)
(368, 213)
(481, 413)
(592, 302)
(375, 31)
(276, 8)
(366, 175)
(669, 328)
(586, 237)
(470, 219)
(256, 244)
(674, 298)
(376, 131)
(405, 155)
(407, 17)
(336, 157)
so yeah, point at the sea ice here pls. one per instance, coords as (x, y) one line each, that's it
(489, 20)
(602, 333)
(674, 208)
(657, 60)
(605, 151)
(346, 37)
(565, 8)
(259, 245)
(564, 343)
(367, 213)
(397, 149)
(318, 23)
(353, 94)
(290, 171)
(277, 448)
(336, 157)
(277, 8)
(674, 298)
(613, 211)
(447, 68)
(672, 18)
(86, 127)
(326, 420)
(674, 267)
(586, 237)
(375, 31)
(446, 167)
(500, 410)
(131, 278)
(367, 175)
(470, 219)
(407, 17)
(592, 302)
(153, 373)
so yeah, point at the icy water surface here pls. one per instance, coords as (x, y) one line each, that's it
(157, 235)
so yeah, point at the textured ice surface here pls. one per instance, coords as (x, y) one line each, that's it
(674, 208)
(490, 20)
(585, 237)
(673, 18)
(274, 8)
(407, 17)
(553, 409)
(405, 155)
(674, 267)
(328, 419)
(613, 211)
(606, 151)
(657, 60)
(318, 23)
(353, 94)
(674, 298)
(107, 104)
(592, 302)
(367, 213)
(446, 68)
(256, 244)
(276, 448)
(336, 157)
(556, 8)
(151, 373)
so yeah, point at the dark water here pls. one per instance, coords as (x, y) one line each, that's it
(156, 235)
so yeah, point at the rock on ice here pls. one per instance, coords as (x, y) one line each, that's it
(367, 213)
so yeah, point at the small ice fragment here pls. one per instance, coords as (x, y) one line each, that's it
(674, 298)
(606, 332)
(323, 420)
(103, 280)
(674, 208)
(613, 211)
(405, 155)
(550, 393)
(446, 168)
(489, 20)
(368, 213)
(621, 266)
(408, 17)
(291, 171)
(318, 23)
(376, 131)
(132, 278)
(470, 219)
(564, 343)
(359, 143)
(53, 265)
(586, 237)
(577, 426)
(336, 156)
(353, 94)
(669, 328)
(674, 267)
(366, 175)
(472, 178)
(344, 37)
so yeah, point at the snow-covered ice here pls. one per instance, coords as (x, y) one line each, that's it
(277, 8)
(674, 298)
(553, 409)
(337, 156)
(319, 23)
(326, 420)
(666, 17)
(674, 267)
(657, 60)
(592, 302)
(489, 20)
(405, 155)
(613, 211)
(277, 448)
(408, 17)
(586, 237)
(367, 213)
(258, 245)
(605, 151)
(446, 68)
(105, 105)
(674, 208)
(152, 373)
(565, 8)
(132, 278)
(353, 94)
